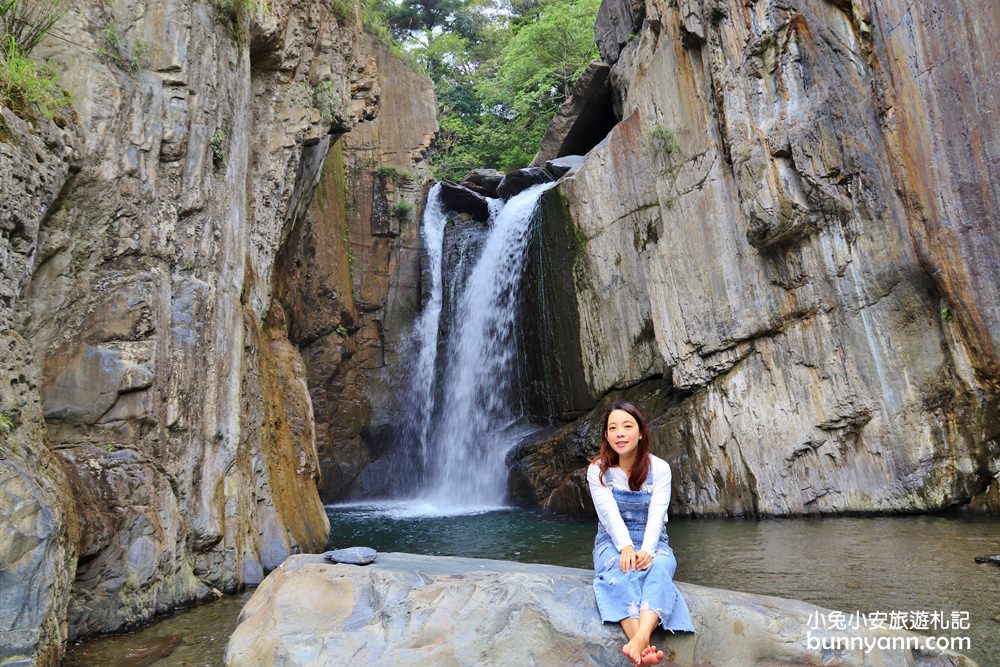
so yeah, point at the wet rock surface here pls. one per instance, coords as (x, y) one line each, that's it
(410, 609)
(520, 180)
(483, 181)
(460, 199)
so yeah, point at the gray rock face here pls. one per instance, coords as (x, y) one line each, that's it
(407, 609)
(617, 22)
(139, 270)
(761, 247)
(559, 167)
(38, 530)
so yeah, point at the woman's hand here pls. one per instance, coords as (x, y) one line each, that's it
(643, 560)
(627, 559)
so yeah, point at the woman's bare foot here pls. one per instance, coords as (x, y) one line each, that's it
(650, 656)
(634, 650)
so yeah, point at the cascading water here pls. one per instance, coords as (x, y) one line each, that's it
(464, 411)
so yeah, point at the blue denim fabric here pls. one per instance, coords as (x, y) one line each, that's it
(623, 595)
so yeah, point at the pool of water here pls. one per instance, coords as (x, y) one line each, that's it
(920, 563)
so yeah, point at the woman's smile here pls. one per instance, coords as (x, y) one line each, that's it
(623, 432)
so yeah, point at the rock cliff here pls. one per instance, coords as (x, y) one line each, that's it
(789, 241)
(159, 440)
(409, 610)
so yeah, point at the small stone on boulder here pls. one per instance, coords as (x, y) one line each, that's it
(352, 555)
(562, 165)
(463, 200)
(520, 180)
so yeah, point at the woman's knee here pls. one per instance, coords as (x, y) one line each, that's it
(664, 562)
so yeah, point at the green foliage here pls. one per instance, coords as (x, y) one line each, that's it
(403, 210)
(218, 149)
(663, 143)
(343, 10)
(349, 250)
(327, 100)
(341, 330)
(29, 89)
(947, 316)
(6, 424)
(397, 174)
(374, 17)
(117, 51)
(28, 21)
(500, 69)
(110, 447)
(236, 13)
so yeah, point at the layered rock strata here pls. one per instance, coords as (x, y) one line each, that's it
(791, 227)
(408, 609)
(158, 441)
(351, 272)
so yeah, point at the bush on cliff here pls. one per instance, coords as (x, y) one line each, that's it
(29, 89)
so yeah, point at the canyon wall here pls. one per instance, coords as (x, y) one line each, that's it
(158, 441)
(786, 249)
(352, 278)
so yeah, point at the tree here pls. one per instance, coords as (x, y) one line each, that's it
(499, 72)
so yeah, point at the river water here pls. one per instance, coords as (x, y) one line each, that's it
(921, 563)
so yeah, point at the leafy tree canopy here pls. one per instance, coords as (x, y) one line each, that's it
(501, 68)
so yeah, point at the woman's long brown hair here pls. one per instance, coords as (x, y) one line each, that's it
(607, 457)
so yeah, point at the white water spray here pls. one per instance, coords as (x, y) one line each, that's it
(464, 439)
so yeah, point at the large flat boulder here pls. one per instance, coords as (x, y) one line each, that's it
(406, 609)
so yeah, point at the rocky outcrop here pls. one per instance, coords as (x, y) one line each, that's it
(461, 199)
(407, 609)
(520, 180)
(779, 259)
(158, 441)
(38, 518)
(583, 120)
(350, 272)
(483, 181)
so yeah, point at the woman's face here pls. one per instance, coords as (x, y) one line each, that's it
(623, 433)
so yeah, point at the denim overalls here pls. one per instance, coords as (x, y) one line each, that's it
(623, 595)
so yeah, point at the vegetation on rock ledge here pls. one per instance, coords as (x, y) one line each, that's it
(30, 89)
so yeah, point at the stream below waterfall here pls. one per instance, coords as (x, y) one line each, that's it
(918, 563)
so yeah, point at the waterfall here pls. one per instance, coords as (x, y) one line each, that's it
(464, 411)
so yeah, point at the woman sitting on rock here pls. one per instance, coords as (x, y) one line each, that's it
(631, 491)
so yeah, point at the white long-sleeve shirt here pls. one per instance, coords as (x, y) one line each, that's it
(607, 508)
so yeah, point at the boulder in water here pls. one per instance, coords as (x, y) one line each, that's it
(408, 609)
(520, 180)
(352, 555)
(989, 558)
(463, 200)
